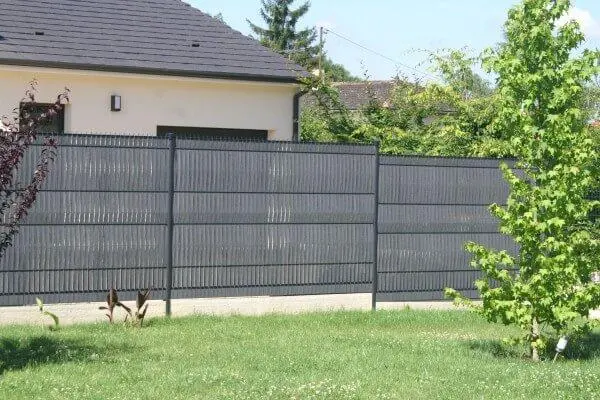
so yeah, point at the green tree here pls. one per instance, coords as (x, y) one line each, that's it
(541, 84)
(456, 69)
(335, 72)
(591, 101)
(329, 120)
(454, 117)
(281, 34)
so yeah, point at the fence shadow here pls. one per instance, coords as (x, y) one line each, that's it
(17, 354)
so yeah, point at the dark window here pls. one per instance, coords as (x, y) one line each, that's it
(56, 124)
(213, 133)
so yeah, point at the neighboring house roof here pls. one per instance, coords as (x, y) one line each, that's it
(166, 37)
(356, 95)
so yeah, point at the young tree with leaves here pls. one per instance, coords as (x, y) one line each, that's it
(541, 84)
(282, 34)
(335, 72)
(17, 134)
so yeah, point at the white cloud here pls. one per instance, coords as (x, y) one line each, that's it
(589, 25)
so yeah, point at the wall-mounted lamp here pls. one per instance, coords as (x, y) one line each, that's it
(115, 103)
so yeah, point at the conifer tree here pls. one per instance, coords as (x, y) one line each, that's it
(282, 34)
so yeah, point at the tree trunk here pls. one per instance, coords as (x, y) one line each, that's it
(535, 334)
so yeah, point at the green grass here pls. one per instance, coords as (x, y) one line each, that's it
(345, 355)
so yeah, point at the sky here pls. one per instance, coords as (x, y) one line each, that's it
(402, 32)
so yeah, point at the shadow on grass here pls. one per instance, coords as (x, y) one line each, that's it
(17, 353)
(497, 349)
(584, 348)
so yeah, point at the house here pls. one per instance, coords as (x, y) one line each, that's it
(356, 95)
(145, 67)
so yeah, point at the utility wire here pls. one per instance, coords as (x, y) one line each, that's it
(397, 63)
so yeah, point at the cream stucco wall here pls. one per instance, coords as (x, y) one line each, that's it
(149, 101)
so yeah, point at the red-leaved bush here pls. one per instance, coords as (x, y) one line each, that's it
(17, 134)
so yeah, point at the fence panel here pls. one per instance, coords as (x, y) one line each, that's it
(428, 209)
(272, 218)
(98, 223)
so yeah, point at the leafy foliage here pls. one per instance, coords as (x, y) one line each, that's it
(454, 117)
(335, 72)
(591, 102)
(330, 120)
(541, 86)
(17, 135)
(281, 33)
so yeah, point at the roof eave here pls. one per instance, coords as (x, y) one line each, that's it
(154, 71)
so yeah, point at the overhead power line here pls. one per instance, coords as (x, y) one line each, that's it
(396, 62)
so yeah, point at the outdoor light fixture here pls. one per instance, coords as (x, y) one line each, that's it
(115, 103)
(561, 346)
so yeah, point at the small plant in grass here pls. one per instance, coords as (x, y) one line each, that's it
(541, 82)
(112, 301)
(54, 317)
(141, 304)
(135, 318)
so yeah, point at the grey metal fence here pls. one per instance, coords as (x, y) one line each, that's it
(194, 218)
(99, 222)
(428, 209)
(272, 218)
(248, 219)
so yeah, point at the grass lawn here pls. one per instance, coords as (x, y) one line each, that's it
(342, 355)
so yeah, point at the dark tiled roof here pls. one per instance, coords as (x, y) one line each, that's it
(356, 95)
(167, 37)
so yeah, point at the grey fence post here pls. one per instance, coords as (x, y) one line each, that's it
(375, 229)
(170, 205)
